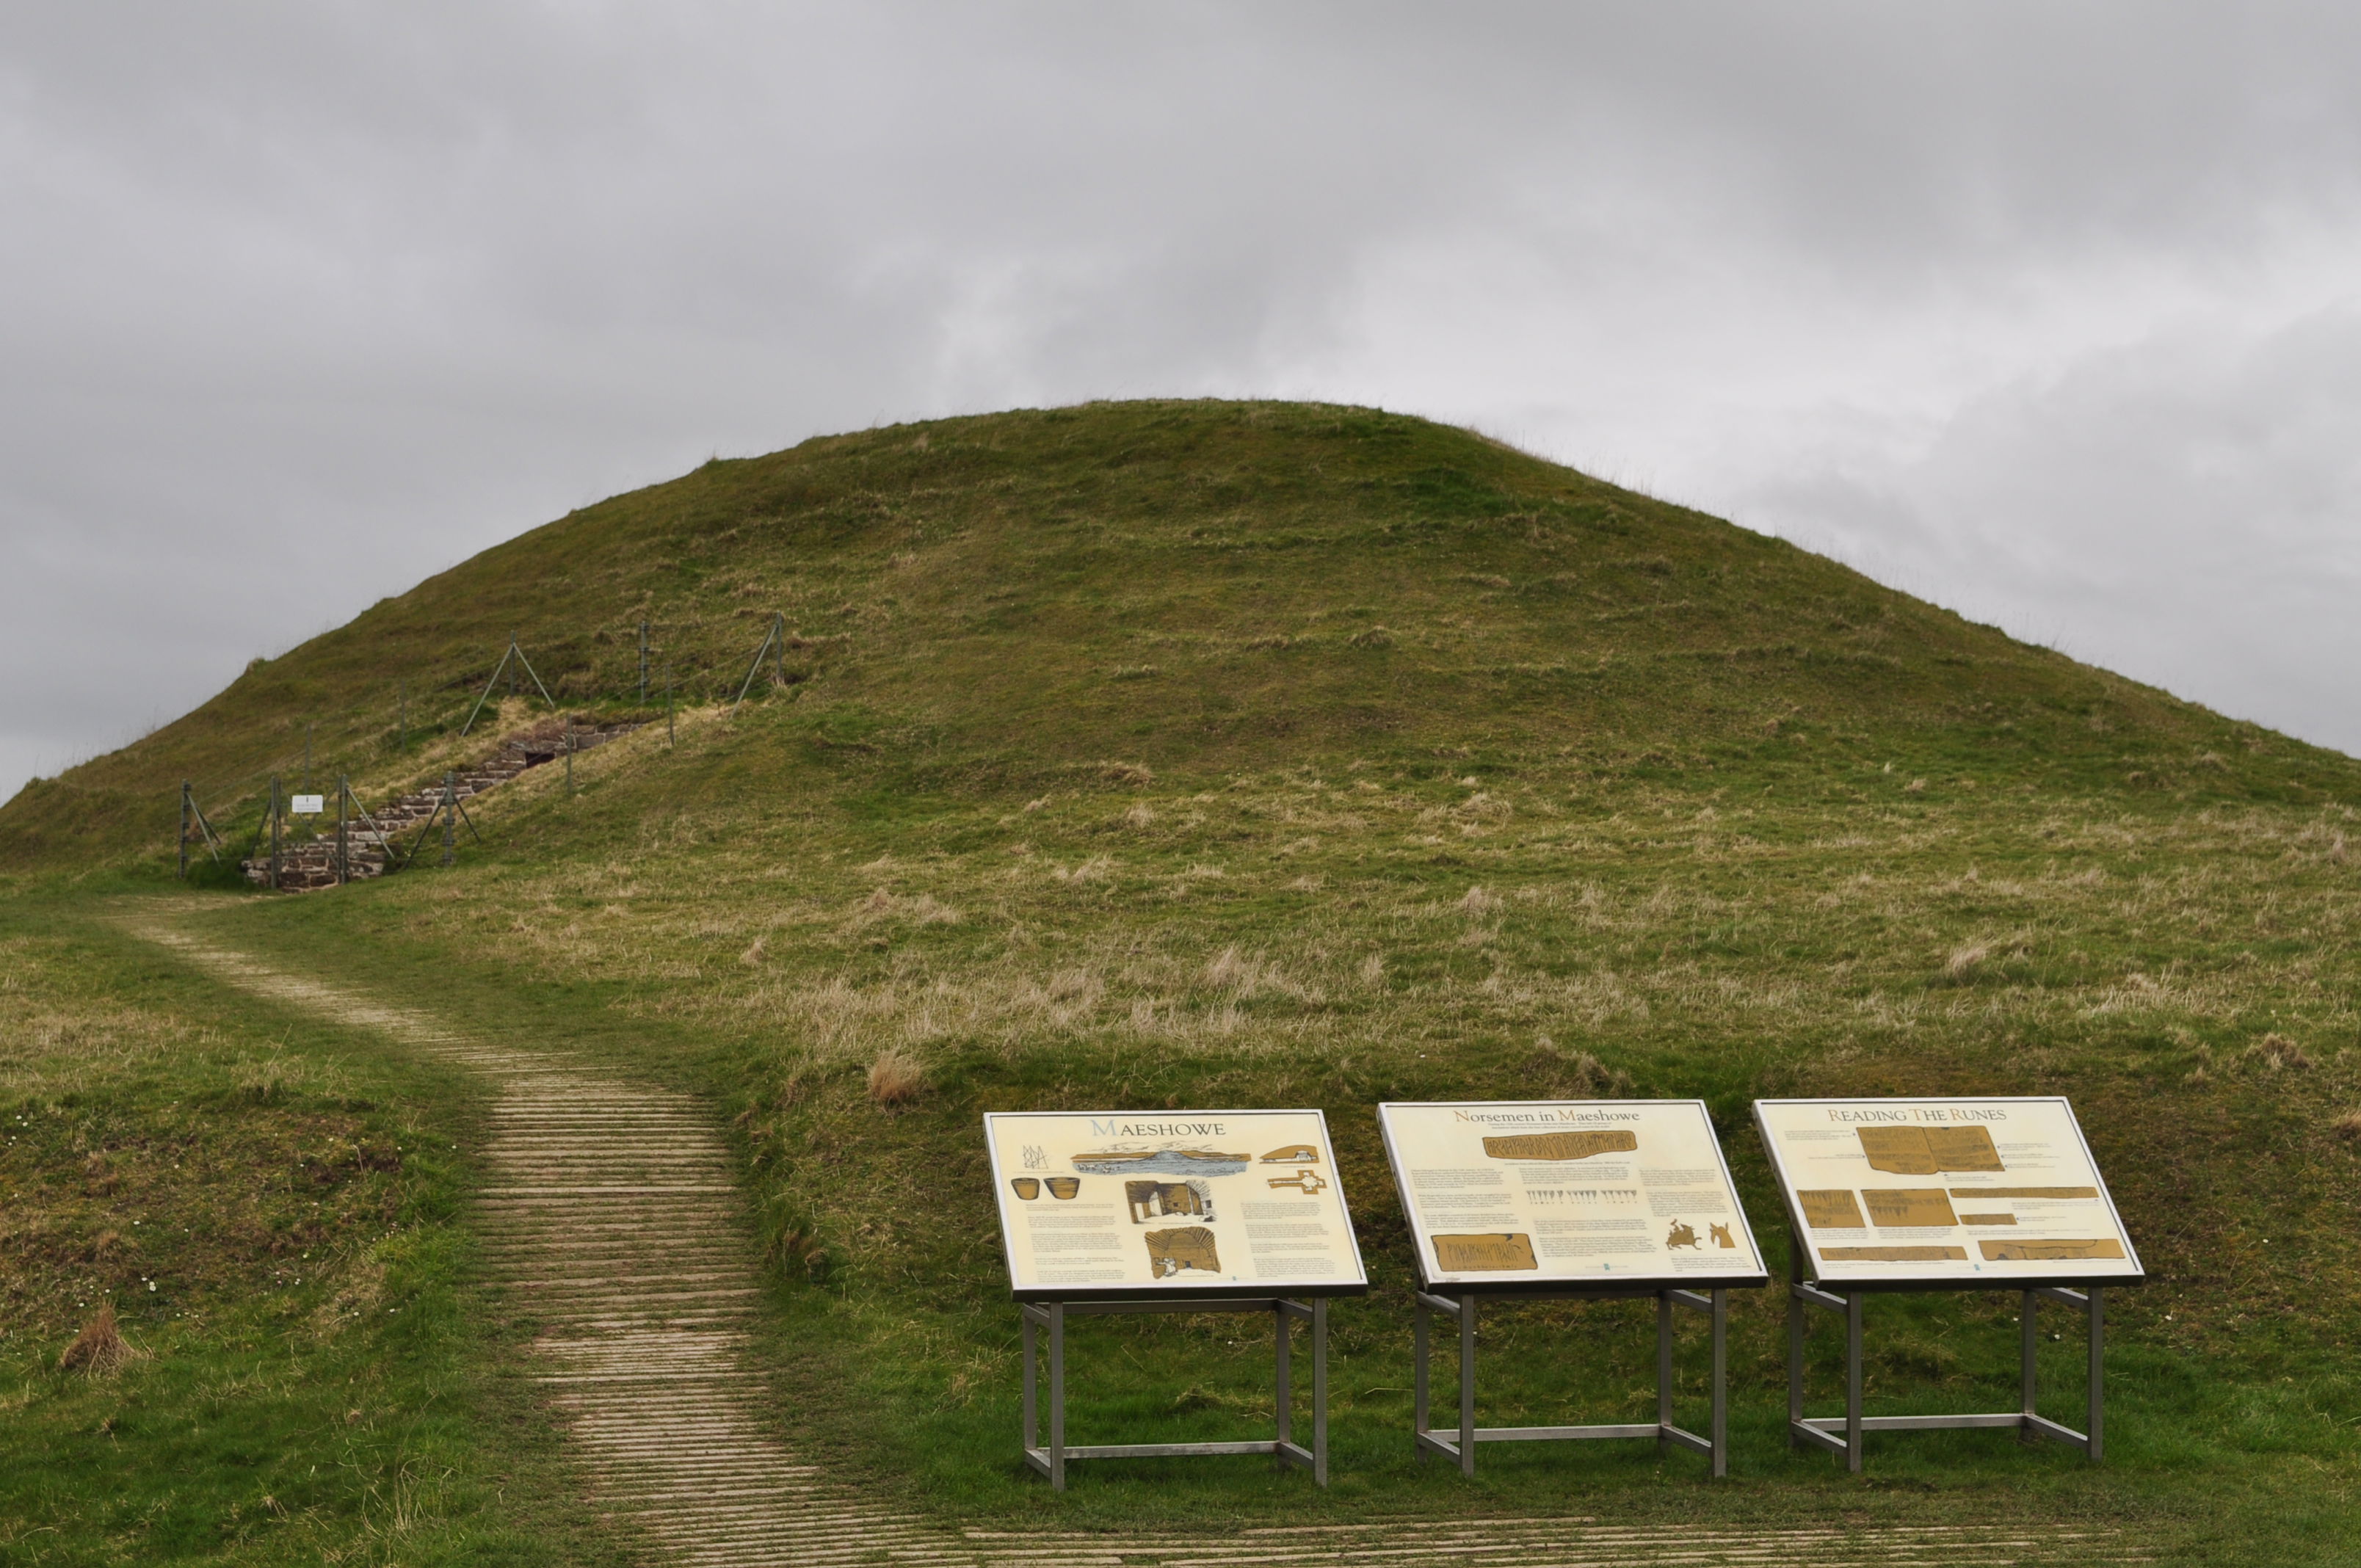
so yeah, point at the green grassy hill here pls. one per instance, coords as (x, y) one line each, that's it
(1156, 754)
(1193, 585)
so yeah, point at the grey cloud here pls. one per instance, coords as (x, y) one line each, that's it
(338, 294)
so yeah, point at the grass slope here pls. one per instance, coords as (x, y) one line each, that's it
(1184, 584)
(1153, 754)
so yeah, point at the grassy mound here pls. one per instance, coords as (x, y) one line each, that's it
(1203, 586)
(1151, 754)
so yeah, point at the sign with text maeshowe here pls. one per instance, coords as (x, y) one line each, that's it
(1214, 1204)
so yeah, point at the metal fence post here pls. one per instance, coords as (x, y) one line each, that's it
(274, 832)
(450, 819)
(184, 829)
(344, 842)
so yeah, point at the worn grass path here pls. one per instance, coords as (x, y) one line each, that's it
(613, 1214)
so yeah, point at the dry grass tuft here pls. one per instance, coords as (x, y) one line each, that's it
(100, 1350)
(1127, 773)
(755, 951)
(1228, 971)
(1915, 786)
(1477, 900)
(2348, 1126)
(1140, 816)
(1964, 961)
(2277, 1053)
(895, 1078)
(1580, 1076)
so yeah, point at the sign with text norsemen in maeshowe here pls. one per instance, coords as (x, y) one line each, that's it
(2000, 1192)
(1552, 1193)
(1214, 1204)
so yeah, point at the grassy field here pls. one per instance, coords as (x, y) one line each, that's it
(2183, 971)
(1163, 755)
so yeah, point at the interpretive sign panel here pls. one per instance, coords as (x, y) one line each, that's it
(1555, 1192)
(1096, 1203)
(307, 805)
(2000, 1192)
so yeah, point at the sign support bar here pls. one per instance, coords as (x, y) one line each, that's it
(1843, 1434)
(1049, 1319)
(1714, 1304)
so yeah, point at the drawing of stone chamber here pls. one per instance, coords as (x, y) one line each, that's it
(1191, 1246)
(1164, 1200)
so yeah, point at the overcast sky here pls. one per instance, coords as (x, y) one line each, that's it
(2050, 312)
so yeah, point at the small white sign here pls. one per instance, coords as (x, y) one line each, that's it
(308, 804)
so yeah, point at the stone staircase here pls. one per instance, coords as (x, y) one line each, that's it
(375, 845)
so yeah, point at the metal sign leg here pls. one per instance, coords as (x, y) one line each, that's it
(1032, 1399)
(1320, 1391)
(1720, 1383)
(2028, 1340)
(1468, 1385)
(1419, 1426)
(1795, 1363)
(1664, 1364)
(1057, 1396)
(2097, 1430)
(1852, 1381)
(1285, 1385)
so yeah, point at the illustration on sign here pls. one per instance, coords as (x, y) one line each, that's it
(1595, 1192)
(2018, 1166)
(1106, 1203)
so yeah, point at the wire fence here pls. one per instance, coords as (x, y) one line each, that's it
(228, 818)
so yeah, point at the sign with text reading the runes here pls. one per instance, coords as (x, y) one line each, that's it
(1993, 1191)
(1217, 1203)
(1558, 1192)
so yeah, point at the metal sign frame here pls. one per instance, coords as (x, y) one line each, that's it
(1714, 1303)
(1049, 1318)
(1458, 1298)
(1044, 1308)
(1844, 1434)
